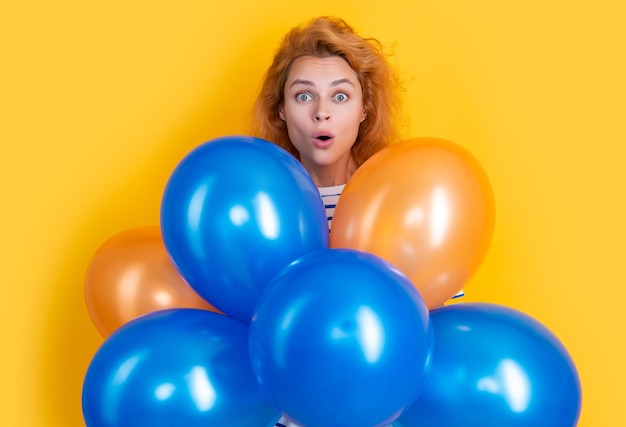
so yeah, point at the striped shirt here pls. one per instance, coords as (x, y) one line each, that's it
(330, 197)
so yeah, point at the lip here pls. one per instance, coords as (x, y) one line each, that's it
(322, 143)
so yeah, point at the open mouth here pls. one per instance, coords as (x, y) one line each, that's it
(323, 141)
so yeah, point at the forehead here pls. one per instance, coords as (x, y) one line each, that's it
(321, 70)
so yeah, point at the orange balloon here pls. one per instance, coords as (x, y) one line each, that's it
(131, 275)
(426, 206)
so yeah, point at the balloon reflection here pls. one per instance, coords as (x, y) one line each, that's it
(440, 213)
(129, 283)
(267, 216)
(201, 390)
(194, 211)
(511, 382)
(370, 334)
(239, 215)
(125, 369)
(164, 391)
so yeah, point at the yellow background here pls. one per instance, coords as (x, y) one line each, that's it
(100, 101)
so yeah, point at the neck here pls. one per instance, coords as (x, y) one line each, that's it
(331, 175)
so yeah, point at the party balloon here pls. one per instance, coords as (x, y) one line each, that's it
(340, 338)
(495, 366)
(131, 275)
(235, 211)
(176, 367)
(426, 206)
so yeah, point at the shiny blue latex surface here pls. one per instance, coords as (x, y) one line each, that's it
(234, 212)
(179, 367)
(341, 338)
(495, 366)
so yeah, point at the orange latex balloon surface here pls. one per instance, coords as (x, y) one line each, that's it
(425, 205)
(131, 275)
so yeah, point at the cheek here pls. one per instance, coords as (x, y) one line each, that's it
(299, 118)
(293, 125)
(295, 115)
(296, 133)
(352, 120)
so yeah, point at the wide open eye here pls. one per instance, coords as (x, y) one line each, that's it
(341, 97)
(303, 97)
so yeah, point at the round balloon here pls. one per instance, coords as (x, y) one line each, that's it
(426, 206)
(235, 211)
(493, 365)
(130, 275)
(340, 337)
(177, 367)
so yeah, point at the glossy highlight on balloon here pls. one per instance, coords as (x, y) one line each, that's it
(425, 205)
(494, 365)
(130, 275)
(341, 337)
(177, 367)
(235, 211)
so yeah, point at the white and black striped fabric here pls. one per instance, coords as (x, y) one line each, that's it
(330, 197)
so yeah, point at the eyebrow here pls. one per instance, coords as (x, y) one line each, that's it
(310, 83)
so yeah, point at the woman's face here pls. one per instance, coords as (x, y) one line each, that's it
(323, 109)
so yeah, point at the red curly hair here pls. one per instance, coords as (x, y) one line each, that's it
(324, 37)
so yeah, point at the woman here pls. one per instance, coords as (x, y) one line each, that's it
(331, 99)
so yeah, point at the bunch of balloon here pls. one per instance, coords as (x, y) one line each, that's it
(494, 365)
(425, 205)
(130, 275)
(235, 211)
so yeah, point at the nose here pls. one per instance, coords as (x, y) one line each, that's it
(322, 113)
(320, 117)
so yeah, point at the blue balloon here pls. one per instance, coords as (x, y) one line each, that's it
(178, 367)
(495, 366)
(341, 338)
(235, 211)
